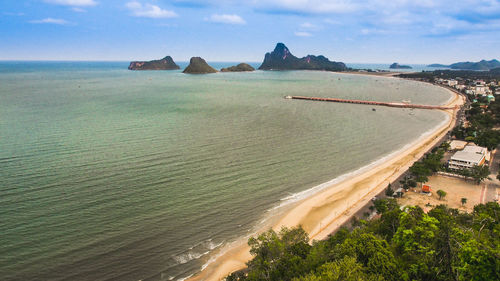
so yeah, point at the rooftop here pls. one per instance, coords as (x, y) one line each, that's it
(471, 153)
(475, 149)
(457, 144)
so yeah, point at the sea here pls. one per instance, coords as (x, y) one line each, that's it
(112, 174)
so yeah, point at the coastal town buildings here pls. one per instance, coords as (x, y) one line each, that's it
(475, 88)
(481, 90)
(469, 157)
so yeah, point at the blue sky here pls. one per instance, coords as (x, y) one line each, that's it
(371, 31)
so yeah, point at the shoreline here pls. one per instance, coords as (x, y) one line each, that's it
(330, 207)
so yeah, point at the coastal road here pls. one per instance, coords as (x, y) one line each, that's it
(492, 185)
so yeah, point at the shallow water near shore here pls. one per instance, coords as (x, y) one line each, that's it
(110, 174)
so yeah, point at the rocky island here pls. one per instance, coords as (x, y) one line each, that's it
(198, 65)
(480, 65)
(242, 67)
(167, 63)
(398, 66)
(282, 59)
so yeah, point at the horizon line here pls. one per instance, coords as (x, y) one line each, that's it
(186, 61)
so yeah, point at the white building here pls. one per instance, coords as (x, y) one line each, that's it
(452, 82)
(469, 157)
(481, 90)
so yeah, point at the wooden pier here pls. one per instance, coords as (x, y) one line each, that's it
(390, 104)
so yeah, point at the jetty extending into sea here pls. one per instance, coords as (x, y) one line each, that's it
(390, 104)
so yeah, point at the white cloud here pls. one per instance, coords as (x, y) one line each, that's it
(50, 21)
(149, 11)
(310, 26)
(371, 31)
(332, 22)
(309, 6)
(72, 2)
(303, 34)
(78, 10)
(13, 14)
(228, 19)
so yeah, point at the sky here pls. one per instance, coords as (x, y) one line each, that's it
(353, 31)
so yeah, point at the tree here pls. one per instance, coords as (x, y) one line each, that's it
(479, 262)
(458, 132)
(278, 256)
(346, 269)
(488, 138)
(441, 194)
(441, 245)
(389, 192)
(445, 146)
(412, 183)
(447, 241)
(479, 173)
(370, 251)
(463, 201)
(385, 205)
(414, 243)
(420, 171)
(433, 161)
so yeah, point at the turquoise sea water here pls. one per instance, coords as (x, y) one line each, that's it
(110, 174)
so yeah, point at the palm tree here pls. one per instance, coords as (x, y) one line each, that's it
(464, 200)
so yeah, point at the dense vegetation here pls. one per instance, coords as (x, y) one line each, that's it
(452, 74)
(480, 65)
(198, 65)
(428, 165)
(481, 121)
(242, 67)
(167, 63)
(408, 244)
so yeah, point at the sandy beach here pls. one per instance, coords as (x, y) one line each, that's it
(322, 213)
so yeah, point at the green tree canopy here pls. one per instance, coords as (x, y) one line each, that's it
(441, 245)
(441, 194)
(420, 171)
(479, 173)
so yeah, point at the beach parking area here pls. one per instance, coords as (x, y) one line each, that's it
(455, 189)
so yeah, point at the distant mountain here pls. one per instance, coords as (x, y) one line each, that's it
(438, 65)
(198, 65)
(167, 63)
(238, 68)
(481, 65)
(398, 66)
(282, 59)
(495, 70)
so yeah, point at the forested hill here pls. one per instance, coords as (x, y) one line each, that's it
(442, 245)
(480, 65)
